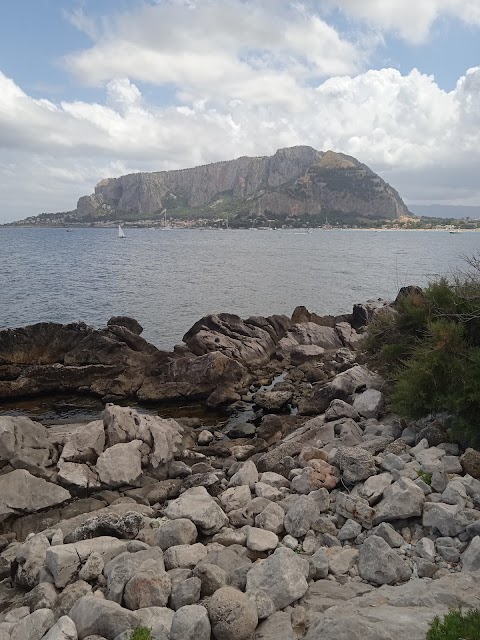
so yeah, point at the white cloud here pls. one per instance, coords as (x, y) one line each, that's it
(411, 20)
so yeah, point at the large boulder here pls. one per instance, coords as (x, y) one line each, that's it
(470, 462)
(85, 444)
(282, 576)
(355, 463)
(20, 492)
(198, 506)
(403, 499)
(24, 444)
(97, 617)
(446, 519)
(121, 464)
(232, 615)
(369, 403)
(380, 564)
(352, 380)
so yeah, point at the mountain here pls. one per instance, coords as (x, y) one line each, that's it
(445, 211)
(295, 184)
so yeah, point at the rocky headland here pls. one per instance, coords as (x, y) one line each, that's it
(294, 185)
(309, 512)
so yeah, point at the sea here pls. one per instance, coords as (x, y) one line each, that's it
(167, 280)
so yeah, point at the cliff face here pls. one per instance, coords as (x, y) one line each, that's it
(295, 181)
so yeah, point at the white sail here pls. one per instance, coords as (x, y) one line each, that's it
(120, 232)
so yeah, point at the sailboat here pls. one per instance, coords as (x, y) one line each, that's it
(326, 225)
(120, 232)
(165, 228)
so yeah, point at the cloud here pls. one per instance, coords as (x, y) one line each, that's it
(410, 20)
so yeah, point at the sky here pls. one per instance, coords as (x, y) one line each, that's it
(98, 88)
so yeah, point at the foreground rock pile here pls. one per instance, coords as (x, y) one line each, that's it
(351, 526)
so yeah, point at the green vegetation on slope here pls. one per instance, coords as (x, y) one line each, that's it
(456, 626)
(428, 347)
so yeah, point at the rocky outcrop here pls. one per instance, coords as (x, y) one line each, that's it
(294, 182)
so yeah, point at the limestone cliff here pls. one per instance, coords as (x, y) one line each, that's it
(294, 182)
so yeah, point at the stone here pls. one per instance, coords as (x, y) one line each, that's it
(274, 479)
(125, 526)
(190, 623)
(388, 533)
(349, 531)
(392, 462)
(33, 626)
(455, 493)
(374, 487)
(425, 548)
(281, 576)
(69, 596)
(355, 463)
(178, 469)
(63, 561)
(158, 619)
(150, 586)
(232, 614)
(403, 499)
(22, 492)
(120, 464)
(379, 564)
(439, 480)
(319, 565)
(260, 540)
(229, 559)
(64, 629)
(300, 517)
(355, 508)
(340, 409)
(185, 593)
(78, 475)
(174, 533)
(30, 561)
(205, 438)
(272, 401)
(369, 403)
(211, 578)
(95, 616)
(271, 518)
(277, 627)
(23, 441)
(124, 566)
(470, 462)
(235, 498)
(246, 475)
(471, 557)
(92, 568)
(184, 556)
(43, 596)
(320, 475)
(341, 560)
(263, 490)
(86, 444)
(447, 519)
(199, 507)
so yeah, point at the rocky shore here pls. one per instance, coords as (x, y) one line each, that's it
(308, 512)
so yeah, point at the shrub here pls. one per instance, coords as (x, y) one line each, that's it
(141, 633)
(428, 348)
(456, 626)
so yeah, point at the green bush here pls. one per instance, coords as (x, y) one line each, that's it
(428, 348)
(141, 633)
(456, 626)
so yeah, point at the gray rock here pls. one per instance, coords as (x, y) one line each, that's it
(369, 403)
(374, 487)
(355, 508)
(86, 444)
(260, 540)
(235, 498)
(340, 409)
(425, 548)
(190, 623)
(187, 592)
(158, 619)
(228, 559)
(184, 556)
(277, 627)
(392, 462)
(439, 480)
(64, 629)
(471, 557)
(349, 531)
(92, 568)
(63, 561)
(211, 578)
(455, 493)
(77, 475)
(69, 596)
(174, 533)
(199, 507)
(319, 565)
(341, 560)
(379, 564)
(43, 596)
(232, 614)
(271, 518)
(263, 603)
(95, 616)
(447, 519)
(355, 463)
(205, 437)
(388, 533)
(150, 586)
(30, 561)
(121, 464)
(272, 401)
(346, 383)
(281, 576)
(126, 526)
(24, 493)
(246, 475)
(33, 626)
(403, 499)
(300, 517)
(119, 570)
(24, 442)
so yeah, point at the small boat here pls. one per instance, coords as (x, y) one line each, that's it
(165, 228)
(455, 231)
(120, 232)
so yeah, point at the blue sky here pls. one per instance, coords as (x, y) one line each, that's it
(94, 88)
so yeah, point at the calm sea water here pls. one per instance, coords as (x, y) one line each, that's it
(168, 280)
